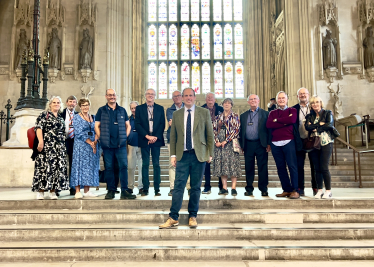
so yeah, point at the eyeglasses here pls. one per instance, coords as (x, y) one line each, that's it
(87, 105)
(112, 95)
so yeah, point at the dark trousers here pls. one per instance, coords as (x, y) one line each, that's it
(321, 159)
(146, 151)
(115, 170)
(69, 143)
(255, 149)
(301, 155)
(207, 176)
(286, 156)
(110, 156)
(187, 166)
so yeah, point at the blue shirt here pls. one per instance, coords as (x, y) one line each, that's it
(251, 131)
(132, 139)
(113, 125)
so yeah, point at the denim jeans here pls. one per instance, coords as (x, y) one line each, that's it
(321, 159)
(286, 156)
(110, 154)
(134, 157)
(188, 165)
(146, 151)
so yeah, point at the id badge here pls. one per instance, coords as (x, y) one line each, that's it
(150, 119)
(115, 123)
(250, 123)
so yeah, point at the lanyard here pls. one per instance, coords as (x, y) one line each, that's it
(150, 113)
(89, 122)
(307, 110)
(250, 116)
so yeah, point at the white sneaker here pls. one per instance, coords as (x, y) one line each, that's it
(89, 194)
(327, 195)
(78, 195)
(53, 196)
(40, 196)
(319, 194)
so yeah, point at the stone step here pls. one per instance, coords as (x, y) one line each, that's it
(99, 217)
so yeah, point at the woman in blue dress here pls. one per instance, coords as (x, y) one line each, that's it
(86, 158)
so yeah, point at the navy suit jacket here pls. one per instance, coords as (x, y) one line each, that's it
(263, 132)
(142, 124)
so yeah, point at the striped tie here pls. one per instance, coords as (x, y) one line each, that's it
(71, 129)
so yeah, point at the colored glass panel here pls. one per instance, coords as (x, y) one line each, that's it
(196, 77)
(173, 10)
(185, 75)
(195, 42)
(173, 78)
(205, 10)
(162, 42)
(239, 80)
(229, 80)
(185, 10)
(228, 42)
(206, 78)
(185, 42)
(205, 41)
(162, 82)
(227, 10)
(217, 10)
(162, 10)
(217, 30)
(173, 42)
(152, 42)
(195, 10)
(152, 10)
(238, 10)
(152, 76)
(218, 80)
(238, 41)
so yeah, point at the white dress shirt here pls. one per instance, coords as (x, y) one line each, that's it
(67, 120)
(185, 124)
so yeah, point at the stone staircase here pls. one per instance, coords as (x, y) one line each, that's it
(248, 229)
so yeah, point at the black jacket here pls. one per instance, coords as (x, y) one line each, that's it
(263, 132)
(142, 124)
(63, 114)
(325, 116)
(218, 110)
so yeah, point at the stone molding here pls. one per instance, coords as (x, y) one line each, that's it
(352, 68)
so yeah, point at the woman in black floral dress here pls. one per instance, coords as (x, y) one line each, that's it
(50, 163)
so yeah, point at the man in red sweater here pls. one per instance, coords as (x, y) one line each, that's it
(281, 122)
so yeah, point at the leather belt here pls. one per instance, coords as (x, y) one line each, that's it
(189, 151)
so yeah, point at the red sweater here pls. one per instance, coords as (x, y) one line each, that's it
(282, 129)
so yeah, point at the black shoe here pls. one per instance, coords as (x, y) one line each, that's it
(140, 191)
(157, 193)
(57, 193)
(206, 191)
(110, 195)
(145, 193)
(264, 193)
(233, 192)
(117, 192)
(189, 192)
(248, 193)
(315, 191)
(170, 193)
(223, 192)
(72, 191)
(127, 195)
(130, 191)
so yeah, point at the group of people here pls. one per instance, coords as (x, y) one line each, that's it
(197, 138)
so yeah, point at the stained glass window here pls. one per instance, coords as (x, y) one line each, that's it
(195, 43)
(162, 40)
(163, 81)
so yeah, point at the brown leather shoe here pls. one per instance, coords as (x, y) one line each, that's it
(284, 194)
(192, 223)
(168, 224)
(294, 195)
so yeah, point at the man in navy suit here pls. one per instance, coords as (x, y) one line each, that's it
(68, 114)
(255, 141)
(150, 125)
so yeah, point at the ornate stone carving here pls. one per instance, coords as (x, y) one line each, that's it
(86, 95)
(85, 73)
(86, 49)
(366, 11)
(55, 13)
(328, 13)
(277, 53)
(52, 75)
(54, 48)
(87, 13)
(368, 44)
(329, 45)
(23, 13)
(22, 47)
(4, 69)
(338, 112)
(69, 69)
(370, 73)
(352, 68)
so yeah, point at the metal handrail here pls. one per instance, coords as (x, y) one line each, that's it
(354, 150)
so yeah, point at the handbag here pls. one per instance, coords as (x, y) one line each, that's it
(31, 134)
(236, 145)
(311, 143)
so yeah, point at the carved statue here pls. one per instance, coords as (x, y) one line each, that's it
(85, 48)
(338, 113)
(21, 48)
(369, 49)
(54, 48)
(329, 51)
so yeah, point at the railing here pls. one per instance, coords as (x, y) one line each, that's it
(334, 158)
(6, 118)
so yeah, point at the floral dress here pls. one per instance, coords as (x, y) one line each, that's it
(86, 165)
(50, 164)
(226, 162)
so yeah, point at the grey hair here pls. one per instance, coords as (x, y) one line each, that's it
(134, 102)
(48, 106)
(106, 91)
(150, 89)
(209, 93)
(228, 100)
(188, 88)
(253, 94)
(176, 91)
(280, 92)
(302, 88)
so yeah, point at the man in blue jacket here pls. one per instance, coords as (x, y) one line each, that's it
(112, 127)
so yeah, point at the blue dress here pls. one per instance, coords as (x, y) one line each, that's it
(86, 164)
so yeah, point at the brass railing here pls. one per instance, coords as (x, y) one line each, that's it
(334, 158)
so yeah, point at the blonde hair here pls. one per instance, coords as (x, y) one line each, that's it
(49, 103)
(314, 98)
